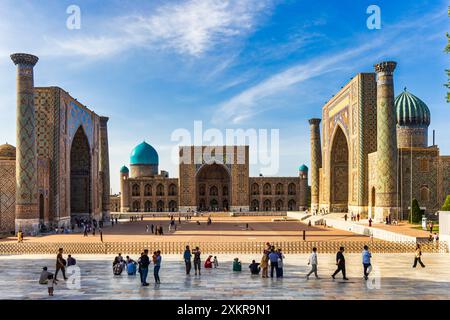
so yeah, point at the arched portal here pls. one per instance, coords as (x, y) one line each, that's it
(210, 178)
(339, 172)
(80, 175)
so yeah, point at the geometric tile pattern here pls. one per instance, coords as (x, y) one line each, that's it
(392, 278)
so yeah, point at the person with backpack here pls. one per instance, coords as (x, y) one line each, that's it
(197, 261)
(187, 259)
(144, 262)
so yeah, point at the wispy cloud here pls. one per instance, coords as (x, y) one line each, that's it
(250, 102)
(191, 27)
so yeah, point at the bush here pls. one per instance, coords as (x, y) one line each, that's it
(416, 212)
(446, 206)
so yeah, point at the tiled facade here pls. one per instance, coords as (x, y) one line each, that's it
(66, 163)
(364, 168)
(214, 181)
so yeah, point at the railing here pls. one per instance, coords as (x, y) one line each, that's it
(288, 247)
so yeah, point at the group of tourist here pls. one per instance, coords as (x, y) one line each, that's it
(154, 229)
(50, 279)
(141, 266)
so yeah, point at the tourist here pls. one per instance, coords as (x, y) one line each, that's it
(161, 230)
(187, 259)
(357, 217)
(370, 222)
(366, 256)
(431, 227)
(50, 284)
(265, 265)
(208, 262)
(146, 228)
(254, 268)
(101, 234)
(144, 262)
(345, 217)
(85, 231)
(435, 238)
(112, 223)
(313, 262)
(215, 262)
(20, 236)
(117, 220)
(418, 257)
(131, 266)
(60, 264)
(43, 279)
(280, 264)
(152, 227)
(197, 260)
(237, 265)
(157, 265)
(340, 262)
(71, 261)
(273, 258)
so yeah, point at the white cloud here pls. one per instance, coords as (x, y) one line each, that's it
(191, 27)
(250, 102)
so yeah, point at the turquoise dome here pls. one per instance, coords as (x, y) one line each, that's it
(411, 111)
(144, 154)
(303, 168)
(124, 169)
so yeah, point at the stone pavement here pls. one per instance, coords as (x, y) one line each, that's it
(392, 278)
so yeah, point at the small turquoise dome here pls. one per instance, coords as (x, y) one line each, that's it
(124, 169)
(144, 154)
(411, 111)
(303, 168)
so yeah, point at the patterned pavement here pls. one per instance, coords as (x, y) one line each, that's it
(392, 278)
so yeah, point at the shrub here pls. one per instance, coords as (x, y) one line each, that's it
(416, 212)
(446, 206)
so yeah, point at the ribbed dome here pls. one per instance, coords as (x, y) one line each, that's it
(411, 111)
(303, 168)
(7, 152)
(144, 154)
(124, 169)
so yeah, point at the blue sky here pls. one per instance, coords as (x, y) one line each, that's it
(157, 66)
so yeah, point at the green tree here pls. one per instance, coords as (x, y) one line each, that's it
(416, 212)
(446, 206)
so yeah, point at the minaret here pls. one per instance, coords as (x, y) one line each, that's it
(316, 162)
(104, 167)
(27, 213)
(303, 197)
(386, 191)
(124, 190)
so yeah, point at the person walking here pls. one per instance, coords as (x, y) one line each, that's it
(418, 257)
(187, 259)
(370, 222)
(144, 262)
(146, 228)
(157, 266)
(273, 258)
(340, 262)
(265, 265)
(101, 234)
(197, 260)
(152, 228)
(60, 264)
(366, 256)
(313, 262)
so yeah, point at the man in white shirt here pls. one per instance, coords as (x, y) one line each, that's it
(313, 262)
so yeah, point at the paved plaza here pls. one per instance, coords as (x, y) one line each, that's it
(222, 229)
(392, 278)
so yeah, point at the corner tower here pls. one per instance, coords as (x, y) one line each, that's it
(386, 191)
(27, 213)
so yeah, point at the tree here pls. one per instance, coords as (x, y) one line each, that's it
(446, 206)
(416, 212)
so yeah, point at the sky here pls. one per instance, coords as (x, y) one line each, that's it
(154, 67)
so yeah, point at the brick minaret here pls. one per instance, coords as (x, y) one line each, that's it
(104, 167)
(27, 213)
(386, 191)
(316, 162)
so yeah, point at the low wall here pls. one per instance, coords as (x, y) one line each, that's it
(368, 231)
(288, 247)
(444, 226)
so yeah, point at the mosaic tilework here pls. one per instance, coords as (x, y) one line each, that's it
(395, 279)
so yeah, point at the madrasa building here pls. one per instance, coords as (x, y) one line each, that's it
(210, 179)
(370, 153)
(59, 169)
